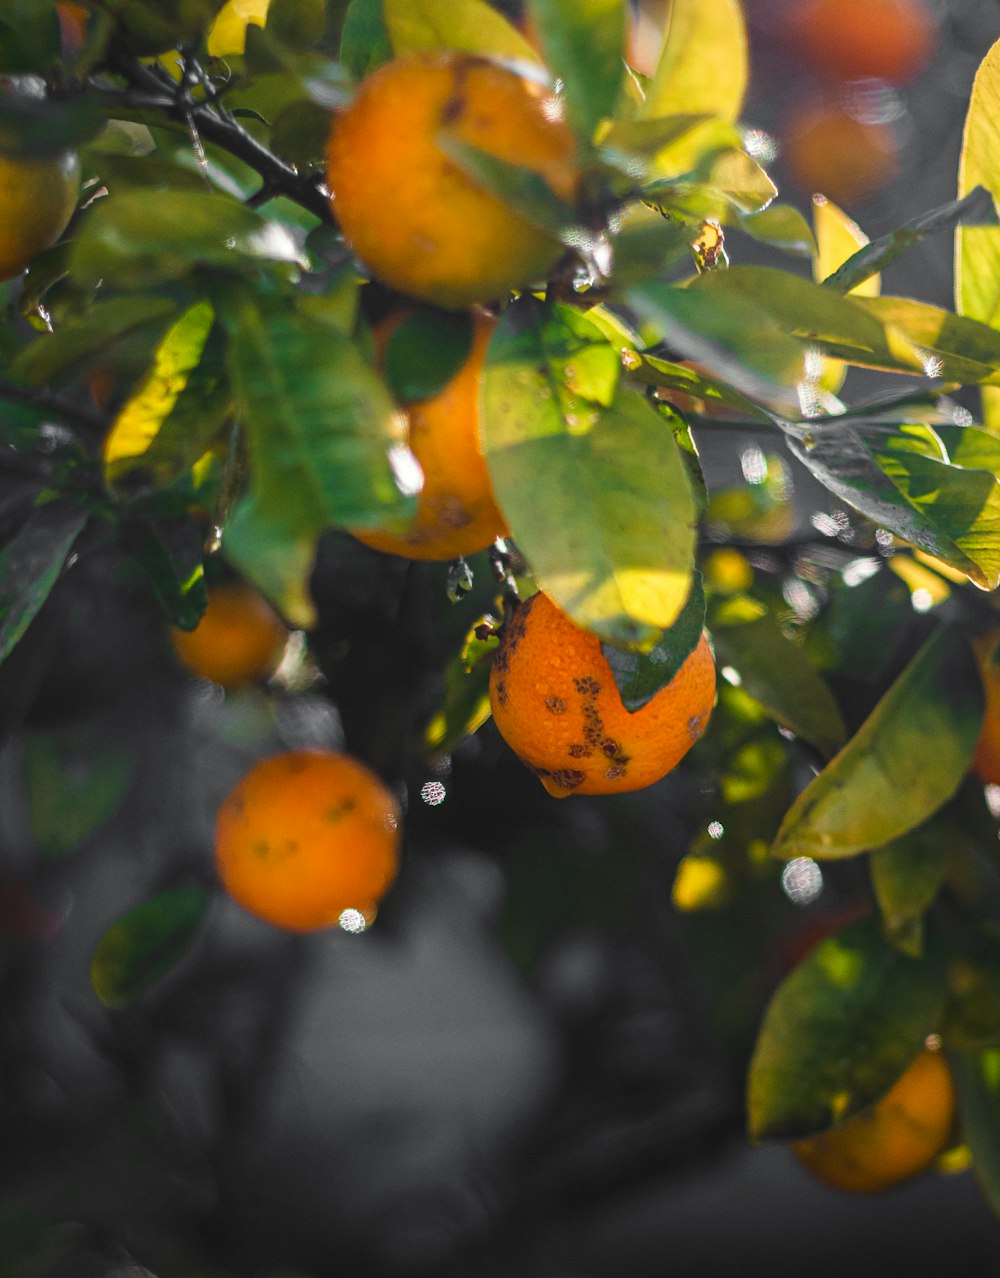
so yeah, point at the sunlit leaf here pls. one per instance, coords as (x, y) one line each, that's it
(737, 341)
(777, 673)
(30, 565)
(143, 946)
(75, 780)
(321, 426)
(471, 26)
(59, 355)
(965, 350)
(588, 474)
(950, 512)
(977, 1081)
(977, 249)
(465, 702)
(639, 676)
(583, 42)
(783, 227)
(703, 65)
(886, 780)
(134, 241)
(975, 209)
(144, 412)
(839, 1031)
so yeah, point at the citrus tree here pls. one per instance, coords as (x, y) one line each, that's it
(372, 356)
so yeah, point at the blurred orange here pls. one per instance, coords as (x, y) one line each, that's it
(828, 151)
(890, 40)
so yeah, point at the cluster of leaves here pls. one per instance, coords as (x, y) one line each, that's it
(204, 281)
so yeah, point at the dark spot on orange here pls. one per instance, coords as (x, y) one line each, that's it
(615, 771)
(579, 751)
(555, 705)
(500, 688)
(568, 778)
(340, 810)
(610, 747)
(261, 848)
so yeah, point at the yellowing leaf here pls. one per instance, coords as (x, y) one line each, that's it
(471, 26)
(176, 357)
(837, 239)
(977, 248)
(229, 31)
(703, 65)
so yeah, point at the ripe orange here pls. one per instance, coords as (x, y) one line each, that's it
(890, 40)
(456, 511)
(239, 640)
(893, 1140)
(305, 836)
(986, 758)
(37, 199)
(555, 702)
(830, 152)
(413, 214)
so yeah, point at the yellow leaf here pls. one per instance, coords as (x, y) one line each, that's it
(469, 26)
(977, 248)
(228, 35)
(703, 65)
(837, 239)
(142, 415)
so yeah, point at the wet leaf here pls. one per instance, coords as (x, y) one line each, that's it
(839, 1031)
(590, 477)
(134, 953)
(886, 781)
(30, 565)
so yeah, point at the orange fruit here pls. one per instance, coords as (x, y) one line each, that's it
(413, 214)
(239, 639)
(72, 26)
(555, 702)
(456, 511)
(828, 151)
(889, 40)
(986, 757)
(37, 200)
(305, 836)
(893, 1140)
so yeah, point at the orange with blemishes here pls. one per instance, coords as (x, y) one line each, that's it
(555, 702)
(239, 640)
(305, 836)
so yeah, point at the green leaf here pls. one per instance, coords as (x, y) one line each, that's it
(735, 340)
(639, 676)
(465, 703)
(840, 326)
(38, 126)
(30, 565)
(975, 209)
(425, 352)
(965, 350)
(590, 478)
(60, 355)
(134, 953)
(839, 1031)
(703, 68)
(783, 227)
(470, 26)
(777, 673)
(864, 626)
(648, 245)
(322, 429)
(133, 241)
(907, 875)
(634, 144)
(886, 781)
(947, 511)
(972, 1015)
(364, 37)
(141, 417)
(275, 557)
(584, 44)
(725, 180)
(29, 36)
(977, 249)
(977, 1082)
(172, 554)
(75, 781)
(524, 190)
